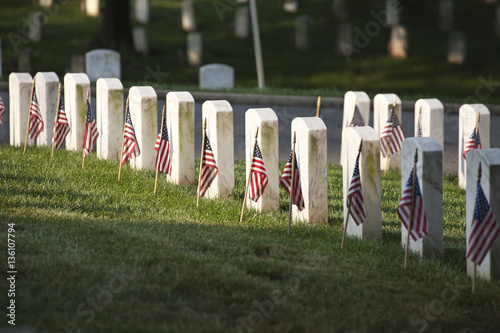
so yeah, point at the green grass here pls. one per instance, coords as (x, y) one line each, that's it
(425, 74)
(98, 255)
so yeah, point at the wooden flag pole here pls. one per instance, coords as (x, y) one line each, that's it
(318, 107)
(412, 204)
(477, 130)
(88, 99)
(123, 142)
(349, 205)
(29, 117)
(291, 185)
(201, 160)
(249, 176)
(161, 133)
(56, 120)
(390, 140)
(474, 271)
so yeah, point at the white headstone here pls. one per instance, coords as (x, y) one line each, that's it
(392, 11)
(45, 3)
(399, 42)
(267, 122)
(76, 86)
(311, 153)
(140, 38)
(77, 64)
(35, 26)
(109, 118)
(457, 48)
(144, 114)
(219, 116)
(382, 105)
(19, 106)
(180, 124)
(194, 48)
(431, 119)
(363, 103)
(302, 32)
(102, 63)
(141, 11)
(344, 40)
(92, 7)
(47, 86)
(216, 76)
(446, 15)
(188, 15)
(24, 59)
(430, 178)
(467, 117)
(490, 183)
(291, 6)
(369, 172)
(242, 22)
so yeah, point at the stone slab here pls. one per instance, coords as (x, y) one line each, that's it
(398, 45)
(47, 86)
(195, 48)
(19, 106)
(92, 8)
(302, 32)
(110, 118)
(76, 86)
(242, 22)
(188, 15)
(141, 11)
(216, 76)
(457, 48)
(102, 63)
(140, 38)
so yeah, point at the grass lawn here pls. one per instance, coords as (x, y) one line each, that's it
(319, 70)
(97, 255)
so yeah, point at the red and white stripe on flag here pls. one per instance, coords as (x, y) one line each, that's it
(258, 176)
(2, 110)
(36, 121)
(91, 133)
(130, 144)
(355, 194)
(62, 127)
(209, 168)
(286, 182)
(392, 135)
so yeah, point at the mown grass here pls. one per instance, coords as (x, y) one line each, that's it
(98, 255)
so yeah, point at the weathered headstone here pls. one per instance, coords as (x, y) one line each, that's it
(24, 59)
(291, 6)
(141, 11)
(446, 15)
(490, 183)
(102, 63)
(92, 7)
(35, 26)
(242, 22)
(77, 64)
(267, 122)
(344, 40)
(109, 118)
(392, 10)
(45, 3)
(457, 48)
(382, 105)
(216, 76)
(195, 48)
(302, 32)
(140, 38)
(47, 85)
(399, 42)
(311, 153)
(19, 106)
(188, 15)
(339, 9)
(219, 116)
(144, 114)
(430, 176)
(76, 86)
(467, 118)
(431, 119)
(369, 172)
(180, 124)
(363, 103)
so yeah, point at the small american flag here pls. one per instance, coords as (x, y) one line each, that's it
(62, 126)
(130, 144)
(471, 143)
(2, 110)
(357, 120)
(285, 181)
(163, 161)
(392, 135)
(90, 135)
(259, 179)
(208, 168)
(36, 121)
(419, 226)
(356, 196)
(484, 228)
